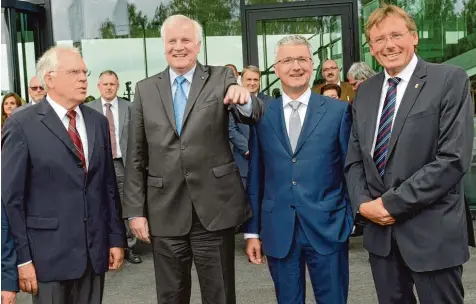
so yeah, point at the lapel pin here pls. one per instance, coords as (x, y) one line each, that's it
(202, 77)
(417, 85)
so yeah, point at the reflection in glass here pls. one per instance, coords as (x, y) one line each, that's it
(5, 80)
(26, 27)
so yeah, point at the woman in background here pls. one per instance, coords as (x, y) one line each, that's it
(10, 102)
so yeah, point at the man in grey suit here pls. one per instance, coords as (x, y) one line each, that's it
(118, 113)
(409, 149)
(36, 93)
(181, 181)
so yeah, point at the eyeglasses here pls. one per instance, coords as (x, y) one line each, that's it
(74, 72)
(330, 69)
(290, 60)
(380, 41)
(37, 88)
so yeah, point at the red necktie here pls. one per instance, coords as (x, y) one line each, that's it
(74, 135)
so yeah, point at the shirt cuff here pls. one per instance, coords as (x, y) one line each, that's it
(23, 264)
(251, 236)
(246, 109)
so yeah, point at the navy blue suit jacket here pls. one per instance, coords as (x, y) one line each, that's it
(309, 182)
(9, 257)
(59, 217)
(239, 135)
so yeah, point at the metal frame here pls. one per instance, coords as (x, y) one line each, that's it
(348, 9)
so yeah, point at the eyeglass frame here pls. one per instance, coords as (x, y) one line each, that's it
(36, 88)
(294, 59)
(74, 72)
(394, 36)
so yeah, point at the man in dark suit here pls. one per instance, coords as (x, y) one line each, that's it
(181, 181)
(238, 132)
(296, 185)
(118, 114)
(9, 263)
(409, 149)
(59, 188)
(331, 74)
(36, 93)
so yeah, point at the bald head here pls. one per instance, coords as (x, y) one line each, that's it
(330, 71)
(36, 90)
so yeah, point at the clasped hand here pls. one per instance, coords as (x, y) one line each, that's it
(376, 212)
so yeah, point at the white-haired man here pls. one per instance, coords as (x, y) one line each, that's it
(59, 188)
(180, 170)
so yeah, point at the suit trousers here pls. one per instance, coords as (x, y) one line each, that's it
(394, 281)
(86, 290)
(119, 169)
(214, 255)
(329, 274)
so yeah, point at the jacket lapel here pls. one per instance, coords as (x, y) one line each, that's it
(55, 125)
(275, 116)
(199, 79)
(90, 131)
(412, 91)
(314, 113)
(165, 93)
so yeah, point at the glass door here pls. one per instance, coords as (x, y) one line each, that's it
(328, 29)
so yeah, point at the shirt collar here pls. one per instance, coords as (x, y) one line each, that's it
(304, 98)
(60, 110)
(113, 102)
(406, 73)
(188, 75)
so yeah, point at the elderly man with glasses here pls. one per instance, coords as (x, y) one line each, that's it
(36, 92)
(331, 73)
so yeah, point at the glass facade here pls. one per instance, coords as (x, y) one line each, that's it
(124, 35)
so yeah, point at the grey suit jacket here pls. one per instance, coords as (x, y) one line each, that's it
(124, 118)
(23, 107)
(429, 152)
(166, 173)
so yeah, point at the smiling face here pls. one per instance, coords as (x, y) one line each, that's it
(330, 72)
(250, 80)
(392, 44)
(181, 46)
(9, 105)
(294, 73)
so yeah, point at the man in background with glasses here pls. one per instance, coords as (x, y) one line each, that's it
(36, 93)
(296, 187)
(331, 74)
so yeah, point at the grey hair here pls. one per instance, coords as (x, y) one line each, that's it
(292, 40)
(360, 71)
(174, 19)
(48, 62)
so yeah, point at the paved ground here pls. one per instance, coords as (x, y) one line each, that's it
(135, 284)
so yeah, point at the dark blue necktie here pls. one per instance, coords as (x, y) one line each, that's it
(180, 101)
(385, 126)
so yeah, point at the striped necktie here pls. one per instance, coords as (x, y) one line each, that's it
(75, 138)
(385, 126)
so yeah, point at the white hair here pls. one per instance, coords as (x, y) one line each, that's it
(292, 40)
(360, 71)
(48, 62)
(175, 19)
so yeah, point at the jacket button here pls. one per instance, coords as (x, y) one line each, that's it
(293, 207)
(187, 173)
(182, 147)
(294, 160)
(80, 165)
(294, 183)
(85, 219)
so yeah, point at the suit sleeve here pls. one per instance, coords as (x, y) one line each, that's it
(15, 159)
(344, 133)
(137, 160)
(9, 257)
(117, 236)
(354, 166)
(236, 137)
(453, 156)
(255, 182)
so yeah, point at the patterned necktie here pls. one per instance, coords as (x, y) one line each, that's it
(75, 138)
(385, 126)
(180, 101)
(294, 124)
(112, 129)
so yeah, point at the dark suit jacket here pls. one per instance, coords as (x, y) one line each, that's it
(123, 125)
(239, 135)
(168, 172)
(309, 182)
(9, 257)
(59, 218)
(347, 94)
(429, 152)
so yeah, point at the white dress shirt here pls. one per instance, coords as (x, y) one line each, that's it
(304, 99)
(80, 127)
(115, 115)
(245, 110)
(405, 76)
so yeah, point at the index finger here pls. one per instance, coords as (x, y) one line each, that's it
(34, 286)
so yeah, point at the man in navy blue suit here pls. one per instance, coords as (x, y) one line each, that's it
(9, 264)
(240, 133)
(301, 213)
(59, 188)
